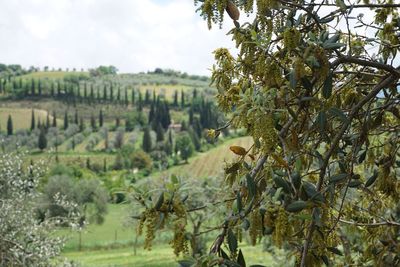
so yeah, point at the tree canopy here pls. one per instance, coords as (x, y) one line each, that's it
(315, 83)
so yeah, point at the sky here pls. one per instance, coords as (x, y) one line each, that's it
(133, 35)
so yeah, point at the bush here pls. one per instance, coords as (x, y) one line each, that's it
(141, 160)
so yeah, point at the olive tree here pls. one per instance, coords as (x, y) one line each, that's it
(315, 83)
(25, 240)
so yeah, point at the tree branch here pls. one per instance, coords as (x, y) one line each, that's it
(388, 80)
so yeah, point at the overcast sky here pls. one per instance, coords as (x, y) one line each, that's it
(133, 35)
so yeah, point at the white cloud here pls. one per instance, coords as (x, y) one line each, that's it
(133, 35)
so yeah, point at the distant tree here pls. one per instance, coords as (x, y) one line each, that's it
(141, 160)
(140, 102)
(93, 122)
(119, 138)
(54, 119)
(133, 97)
(182, 99)
(126, 100)
(117, 122)
(9, 125)
(191, 115)
(175, 99)
(66, 122)
(194, 93)
(104, 165)
(106, 139)
(101, 119)
(104, 93)
(185, 146)
(147, 97)
(33, 124)
(111, 92)
(40, 87)
(81, 124)
(147, 144)
(47, 120)
(119, 95)
(76, 119)
(195, 139)
(159, 132)
(32, 87)
(42, 141)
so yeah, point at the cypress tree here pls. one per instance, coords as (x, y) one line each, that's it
(40, 87)
(194, 93)
(117, 122)
(159, 133)
(93, 122)
(154, 96)
(98, 95)
(9, 125)
(54, 119)
(52, 89)
(32, 87)
(105, 93)
(58, 88)
(147, 97)
(191, 115)
(151, 113)
(133, 97)
(81, 124)
(195, 139)
(182, 99)
(176, 99)
(111, 92)
(101, 119)
(104, 165)
(126, 98)
(85, 91)
(119, 95)
(33, 120)
(39, 124)
(47, 121)
(146, 144)
(42, 142)
(140, 102)
(76, 119)
(91, 98)
(66, 120)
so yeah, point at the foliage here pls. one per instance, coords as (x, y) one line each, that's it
(141, 160)
(184, 145)
(317, 92)
(88, 194)
(25, 241)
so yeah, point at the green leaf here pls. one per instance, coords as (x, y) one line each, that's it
(321, 121)
(372, 179)
(325, 259)
(296, 206)
(282, 183)
(328, 84)
(240, 259)
(174, 179)
(362, 157)
(232, 241)
(355, 183)
(224, 255)
(311, 192)
(296, 180)
(160, 201)
(251, 186)
(245, 224)
(239, 201)
(335, 251)
(329, 46)
(186, 263)
(334, 38)
(292, 79)
(335, 112)
(338, 177)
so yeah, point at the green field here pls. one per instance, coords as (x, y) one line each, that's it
(112, 244)
(210, 163)
(22, 117)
